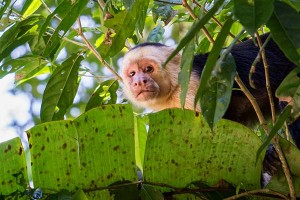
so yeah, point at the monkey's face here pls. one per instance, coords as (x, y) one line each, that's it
(146, 82)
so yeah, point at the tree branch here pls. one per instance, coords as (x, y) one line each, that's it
(264, 191)
(189, 9)
(95, 52)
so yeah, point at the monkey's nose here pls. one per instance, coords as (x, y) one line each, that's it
(140, 82)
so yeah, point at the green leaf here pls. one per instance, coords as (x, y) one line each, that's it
(178, 141)
(163, 11)
(23, 65)
(156, 35)
(216, 80)
(37, 45)
(53, 149)
(4, 5)
(61, 89)
(14, 44)
(30, 7)
(285, 27)
(253, 14)
(216, 96)
(18, 34)
(91, 152)
(122, 26)
(186, 65)
(70, 11)
(13, 173)
(79, 195)
(149, 193)
(196, 28)
(140, 8)
(290, 87)
(279, 123)
(292, 156)
(106, 144)
(106, 93)
(26, 74)
(290, 84)
(140, 134)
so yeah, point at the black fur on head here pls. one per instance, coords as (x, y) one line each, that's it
(149, 44)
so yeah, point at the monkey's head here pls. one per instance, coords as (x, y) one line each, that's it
(147, 83)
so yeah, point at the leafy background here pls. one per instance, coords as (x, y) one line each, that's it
(94, 154)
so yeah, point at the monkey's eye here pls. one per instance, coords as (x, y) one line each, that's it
(149, 69)
(131, 74)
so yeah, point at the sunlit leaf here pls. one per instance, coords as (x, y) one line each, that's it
(25, 63)
(106, 89)
(285, 27)
(140, 134)
(18, 34)
(178, 141)
(253, 14)
(13, 173)
(61, 89)
(30, 7)
(69, 11)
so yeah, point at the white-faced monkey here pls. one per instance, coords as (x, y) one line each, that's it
(150, 85)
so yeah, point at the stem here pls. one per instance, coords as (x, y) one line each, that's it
(264, 191)
(267, 75)
(257, 59)
(88, 44)
(252, 100)
(275, 140)
(215, 19)
(189, 9)
(285, 168)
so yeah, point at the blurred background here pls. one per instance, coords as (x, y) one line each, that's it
(20, 102)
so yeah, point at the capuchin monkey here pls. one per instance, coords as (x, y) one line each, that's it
(149, 84)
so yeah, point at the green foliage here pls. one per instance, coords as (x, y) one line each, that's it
(88, 158)
(104, 94)
(186, 70)
(61, 89)
(253, 14)
(13, 173)
(284, 31)
(216, 81)
(96, 155)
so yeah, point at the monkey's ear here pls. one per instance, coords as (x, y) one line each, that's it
(176, 59)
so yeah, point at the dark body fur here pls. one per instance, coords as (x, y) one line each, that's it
(240, 109)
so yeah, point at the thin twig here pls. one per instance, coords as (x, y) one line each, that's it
(267, 75)
(263, 191)
(215, 19)
(256, 60)
(95, 52)
(252, 100)
(276, 141)
(285, 168)
(189, 9)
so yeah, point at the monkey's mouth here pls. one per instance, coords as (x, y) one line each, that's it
(145, 94)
